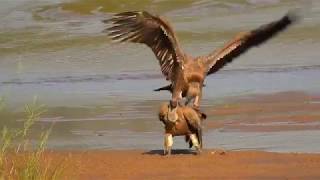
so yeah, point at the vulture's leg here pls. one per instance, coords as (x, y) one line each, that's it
(172, 114)
(176, 97)
(196, 102)
(168, 141)
(195, 143)
(188, 100)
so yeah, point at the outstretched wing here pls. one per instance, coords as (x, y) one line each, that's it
(244, 41)
(155, 32)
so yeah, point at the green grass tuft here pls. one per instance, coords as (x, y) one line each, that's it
(18, 158)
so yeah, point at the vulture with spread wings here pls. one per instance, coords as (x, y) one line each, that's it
(186, 73)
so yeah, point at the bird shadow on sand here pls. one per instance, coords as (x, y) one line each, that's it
(173, 152)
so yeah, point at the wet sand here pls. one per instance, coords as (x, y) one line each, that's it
(276, 112)
(211, 164)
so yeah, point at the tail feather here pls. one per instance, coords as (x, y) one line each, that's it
(199, 136)
(188, 140)
(168, 88)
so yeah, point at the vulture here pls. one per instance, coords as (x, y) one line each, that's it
(187, 73)
(185, 121)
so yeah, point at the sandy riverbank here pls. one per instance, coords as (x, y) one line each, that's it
(211, 164)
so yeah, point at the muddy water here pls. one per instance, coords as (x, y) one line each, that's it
(99, 93)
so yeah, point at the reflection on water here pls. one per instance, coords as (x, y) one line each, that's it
(57, 51)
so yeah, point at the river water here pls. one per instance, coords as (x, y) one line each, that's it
(99, 93)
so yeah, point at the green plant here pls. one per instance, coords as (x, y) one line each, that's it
(2, 104)
(18, 158)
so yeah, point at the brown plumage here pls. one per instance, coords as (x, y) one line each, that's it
(186, 73)
(185, 121)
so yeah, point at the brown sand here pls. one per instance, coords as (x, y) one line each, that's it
(211, 164)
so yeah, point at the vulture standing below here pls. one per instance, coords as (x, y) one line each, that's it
(186, 121)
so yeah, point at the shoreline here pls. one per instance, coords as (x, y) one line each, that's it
(276, 122)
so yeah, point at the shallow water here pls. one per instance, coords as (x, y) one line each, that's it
(56, 50)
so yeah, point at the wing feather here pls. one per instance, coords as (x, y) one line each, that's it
(155, 32)
(244, 41)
